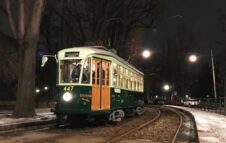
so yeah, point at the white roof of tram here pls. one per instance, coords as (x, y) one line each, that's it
(92, 50)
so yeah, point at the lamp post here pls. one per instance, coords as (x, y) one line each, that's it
(193, 58)
(213, 73)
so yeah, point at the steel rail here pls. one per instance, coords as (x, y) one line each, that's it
(180, 125)
(116, 139)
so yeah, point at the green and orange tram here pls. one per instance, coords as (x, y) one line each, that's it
(93, 82)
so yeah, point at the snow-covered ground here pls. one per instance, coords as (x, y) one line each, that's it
(211, 126)
(42, 115)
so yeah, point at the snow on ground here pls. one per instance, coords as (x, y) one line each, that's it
(42, 115)
(211, 126)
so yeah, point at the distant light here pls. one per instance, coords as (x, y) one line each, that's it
(166, 87)
(46, 88)
(146, 54)
(37, 90)
(155, 30)
(156, 96)
(192, 58)
(186, 96)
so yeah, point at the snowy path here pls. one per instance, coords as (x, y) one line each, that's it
(42, 115)
(211, 126)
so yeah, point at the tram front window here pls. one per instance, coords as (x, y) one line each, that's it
(70, 71)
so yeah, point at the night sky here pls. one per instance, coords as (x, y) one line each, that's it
(201, 16)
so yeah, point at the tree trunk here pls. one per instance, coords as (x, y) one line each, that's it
(25, 106)
(224, 82)
(26, 84)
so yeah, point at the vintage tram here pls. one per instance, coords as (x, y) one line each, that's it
(94, 82)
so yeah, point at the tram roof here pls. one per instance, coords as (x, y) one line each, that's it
(92, 50)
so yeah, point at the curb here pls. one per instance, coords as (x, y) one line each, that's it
(23, 126)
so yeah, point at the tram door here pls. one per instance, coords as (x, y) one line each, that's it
(100, 84)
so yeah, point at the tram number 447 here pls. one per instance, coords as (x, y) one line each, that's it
(68, 88)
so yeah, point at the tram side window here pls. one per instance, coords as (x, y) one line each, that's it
(124, 78)
(134, 82)
(108, 73)
(121, 77)
(131, 81)
(103, 69)
(137, 84)
(86, 71)
(142, 84)
(115, 75)
(118, 76)
(127, 79)
(93, 73)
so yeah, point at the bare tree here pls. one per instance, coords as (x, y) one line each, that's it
(177, 50)
(220, 51)
(110, 23)
(8, 59)
(25, 26)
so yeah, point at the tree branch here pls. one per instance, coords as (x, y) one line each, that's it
(36, 17)
(21, 23)
(10, 18)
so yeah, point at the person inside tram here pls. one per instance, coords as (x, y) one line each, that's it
(76, 73)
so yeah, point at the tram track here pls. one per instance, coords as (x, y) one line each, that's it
(180, 124)
(120, 137)
(157, 124)
(185, 129)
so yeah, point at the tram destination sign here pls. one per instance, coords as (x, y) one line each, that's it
(71, 54)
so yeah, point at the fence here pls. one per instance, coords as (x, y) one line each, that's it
(216, 105)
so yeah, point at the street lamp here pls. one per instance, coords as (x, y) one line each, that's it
(37, 90)
(166, 87)
(193, 58)
(187, 96)
(46, 88)
(146, 54)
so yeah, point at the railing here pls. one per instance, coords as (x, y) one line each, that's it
(216, 105)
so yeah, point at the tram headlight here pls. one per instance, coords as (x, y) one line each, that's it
(67, 96)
